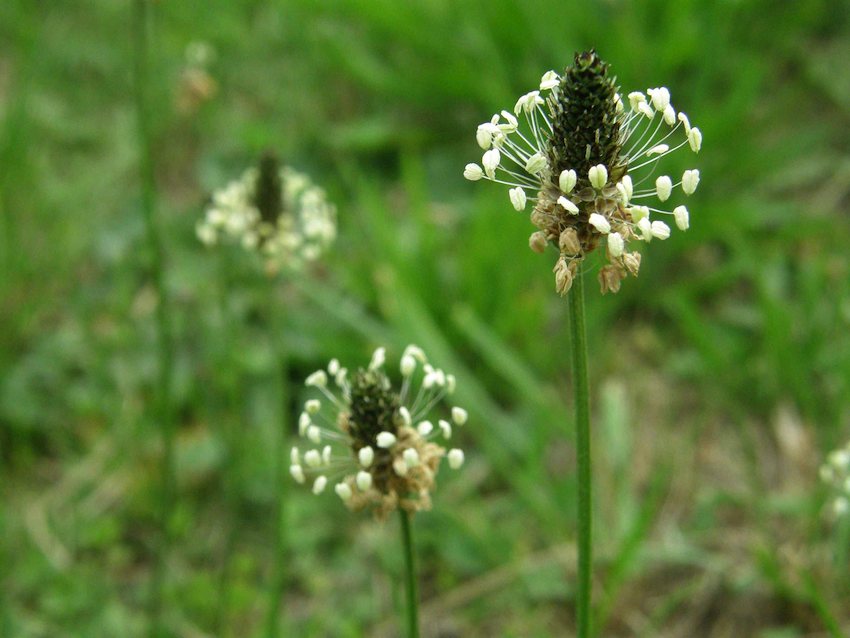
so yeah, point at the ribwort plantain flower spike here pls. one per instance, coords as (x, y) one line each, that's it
(374, 441)
(582, 160)
(272, 210)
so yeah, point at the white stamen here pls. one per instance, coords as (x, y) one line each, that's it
(680, 214)
(615, 244)
(319, 485)
(663, 187)
(567, 181)
(411, 457)
(386, 439)
(518, 198)
(318, 379)
(455, 458)
(363, 480)
(459, 415)
(660, 230)
(598, 176)
(599, 223)
(690, 180)
(567, 205)
(378, 358)
(365, 456)
(473, 172)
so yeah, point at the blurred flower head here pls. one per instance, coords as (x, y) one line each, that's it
(836, 474)
(584, 162)
(196, 85)
(374, 443)
(274, 211)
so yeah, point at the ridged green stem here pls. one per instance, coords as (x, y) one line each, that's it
(578, 344)
(410, 576)
(163, 408)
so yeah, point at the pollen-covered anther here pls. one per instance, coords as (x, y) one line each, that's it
(318, 379)
(549, 81)
(363, 480)
(455, 458)
(297, 473)
(695, 139)
(319, 484)
(599, 223)
(660, 230)
(615, 245)
(625, 189)
(473, 172)
(690, 181)
(411, 457)
(518, 198)
(407, 366)
(598, 176)
(536, 163)
(567, 205)
(491, 160)
(365, 456)
(459, 415)
(680, 215)
(385, 439)
(567, 181)
(343, 490)
(663, 187)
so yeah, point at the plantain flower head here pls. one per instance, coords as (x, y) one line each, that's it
(376, 443)
(584, 163)
(272, 210)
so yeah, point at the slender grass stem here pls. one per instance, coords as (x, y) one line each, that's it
(578, 341)
(278, 588)
(162, 406)
(410, 576)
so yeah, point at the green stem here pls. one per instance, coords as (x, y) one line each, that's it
(581, 397)
(278, 588)
(410, 576)
(140, 24)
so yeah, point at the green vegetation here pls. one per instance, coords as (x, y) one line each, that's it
(720, 377)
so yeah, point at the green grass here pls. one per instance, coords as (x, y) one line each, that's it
(719, 376)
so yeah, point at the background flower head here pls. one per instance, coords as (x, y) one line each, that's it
(274, 211)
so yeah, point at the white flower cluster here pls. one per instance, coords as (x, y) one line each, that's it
(836, 473)
(391, 460)
(610, 199)
(305, 227)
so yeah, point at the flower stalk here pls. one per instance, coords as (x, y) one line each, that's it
(410, 576)
(581, 399)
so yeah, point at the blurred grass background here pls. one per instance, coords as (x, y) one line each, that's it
(720, 377)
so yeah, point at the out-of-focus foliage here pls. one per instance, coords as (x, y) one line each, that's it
(720, 375)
